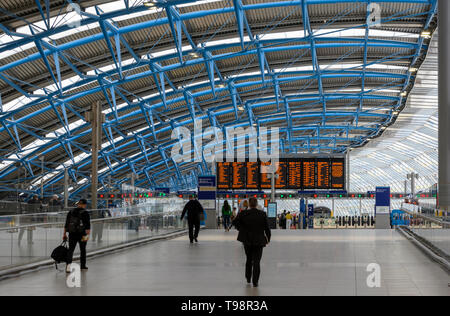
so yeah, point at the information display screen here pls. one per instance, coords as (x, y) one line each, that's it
(281, 181)
(338, 173)
(293, 173)
(323, 174)
(272, 210)
(252, 175)
(309, 174)
(224, 175)
(239, 175)
(266, 183)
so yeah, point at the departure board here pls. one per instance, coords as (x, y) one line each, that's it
(319, 173)
(224, 175)
(252, 175)
(294, 171)
(338, 173)
(323, 174)
(266, 183)
(239, 175)
(309, 174)
(281, 181)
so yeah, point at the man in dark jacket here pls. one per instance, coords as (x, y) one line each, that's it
(194, 209)
(254, 233)
(78, 225)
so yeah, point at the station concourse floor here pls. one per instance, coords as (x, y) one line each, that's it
(297, 262)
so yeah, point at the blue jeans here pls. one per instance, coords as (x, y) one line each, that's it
(226, 222)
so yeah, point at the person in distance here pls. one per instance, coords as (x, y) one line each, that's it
(194, 209)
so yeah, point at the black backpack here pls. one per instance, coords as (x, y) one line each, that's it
(60, 253)
(75, 222)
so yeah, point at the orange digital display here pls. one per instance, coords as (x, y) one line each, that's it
(323, 174)
(337, 174)
(294, 172)
(239, 175)
(309, 174)
(265, 180)
(281, 181)
(252, 175)
(223, 175)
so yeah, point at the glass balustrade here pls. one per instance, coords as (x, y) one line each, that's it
(31, 238)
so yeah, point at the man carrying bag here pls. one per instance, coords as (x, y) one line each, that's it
(78, 225)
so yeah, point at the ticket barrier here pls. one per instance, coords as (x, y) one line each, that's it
(353, 222)
(364, 221)
(347, 221)
(325, 223)
(318, 223)
(343, 222)
(331, 223)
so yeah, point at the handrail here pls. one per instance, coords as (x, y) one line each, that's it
(92, 221)
(428, 218)
(35, 214)
(63, 212)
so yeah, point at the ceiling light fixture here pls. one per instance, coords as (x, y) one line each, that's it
(194, 55)
(426, 34)
(150, 4)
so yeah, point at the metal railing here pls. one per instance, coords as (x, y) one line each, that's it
(17, 208)
(27, 239)
(434, 229)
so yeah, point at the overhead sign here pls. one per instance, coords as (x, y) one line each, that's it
(293, 173)
(162, 190)
(207, 183)
(207, 191)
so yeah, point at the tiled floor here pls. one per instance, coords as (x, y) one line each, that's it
(295, 263)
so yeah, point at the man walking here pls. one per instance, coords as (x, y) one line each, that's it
(78, 225)
(254, 233)
(194, 209)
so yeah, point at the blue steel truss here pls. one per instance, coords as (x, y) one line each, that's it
(296, 100)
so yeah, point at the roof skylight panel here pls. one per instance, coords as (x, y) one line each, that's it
(17, 103)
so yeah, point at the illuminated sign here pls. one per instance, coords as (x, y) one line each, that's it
(292, 174)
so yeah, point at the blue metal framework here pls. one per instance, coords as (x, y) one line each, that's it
(325, 109)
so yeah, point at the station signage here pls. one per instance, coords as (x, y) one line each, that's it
(293, 174)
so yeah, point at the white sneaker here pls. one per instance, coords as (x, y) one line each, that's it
(68, 269)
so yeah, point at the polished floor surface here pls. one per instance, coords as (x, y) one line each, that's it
(328, 262)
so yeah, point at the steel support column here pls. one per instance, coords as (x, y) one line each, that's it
(444, 106)
(347, 172)
(42, 175)
(66, 188)
(96, 128)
